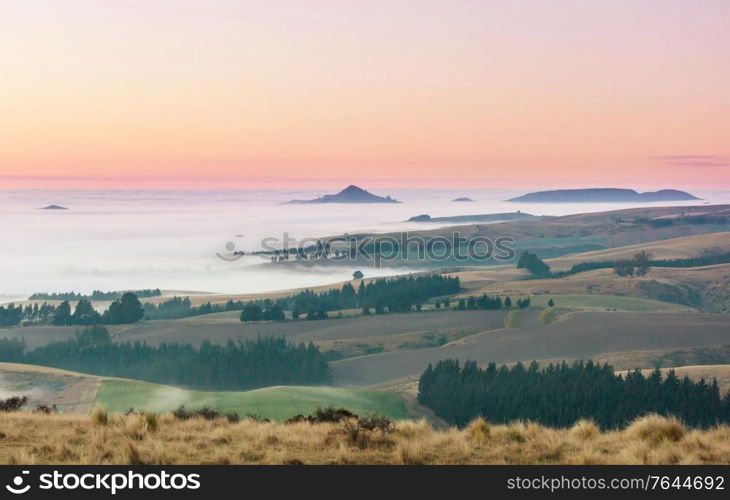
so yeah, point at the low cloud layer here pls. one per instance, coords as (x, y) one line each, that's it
(701, 161)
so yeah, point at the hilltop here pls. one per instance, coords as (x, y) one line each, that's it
(351, 194)
(603, 195)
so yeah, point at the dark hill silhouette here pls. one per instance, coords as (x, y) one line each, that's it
(605, 195)
(351, 194)
(462, 199)
(54, 207)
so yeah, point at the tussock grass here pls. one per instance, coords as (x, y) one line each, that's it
(655, 429)
(152, 439)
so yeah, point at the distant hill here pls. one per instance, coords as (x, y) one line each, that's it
(54, 207)
(603, 195)
(509, 216)
(462, 199)
(351, 194)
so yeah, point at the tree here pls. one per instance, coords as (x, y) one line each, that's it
(10, 316)
(63, 314)
(523, 303)
(513, 319)
(534, 265)
(128, 309)
(252, 312)
(547, 316)
(624, 267)
(642, 261)
(358, 275)
(85, 314)
(274, 313)
(551, 303)
(507, 303)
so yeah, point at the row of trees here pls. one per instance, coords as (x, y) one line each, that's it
(559, 395)
(239, 365)
(95, 295)
(720, 220)
(489, 302)
(125, 310)
(268, 311)
(400, 294)
(181, 307)
(706, 258)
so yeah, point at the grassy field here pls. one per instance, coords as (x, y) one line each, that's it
(579, 335)
(686, 246)
(71, 392)
(670, 288)
(223, 326)
(154, 440)
(276, 403)
(77, 393)
(603, 302)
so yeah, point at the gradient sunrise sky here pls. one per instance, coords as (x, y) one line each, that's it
(271, 93)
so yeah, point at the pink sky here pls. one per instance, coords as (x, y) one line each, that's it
(477, 93)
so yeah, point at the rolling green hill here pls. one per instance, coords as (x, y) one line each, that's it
(276, 403)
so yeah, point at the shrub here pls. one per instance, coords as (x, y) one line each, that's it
(513, 319)
(547, 316)
(326, 415)
(204, 412)
(14, 403)
(45, 409)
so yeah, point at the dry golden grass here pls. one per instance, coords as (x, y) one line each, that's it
(152, 439)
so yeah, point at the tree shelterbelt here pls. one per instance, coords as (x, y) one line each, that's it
(400, 294)
(239, 365)
(559, 395)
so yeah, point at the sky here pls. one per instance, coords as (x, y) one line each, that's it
(423, 93)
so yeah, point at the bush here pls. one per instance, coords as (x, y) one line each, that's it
(547, 315)
(14, 403)
(206, 413)
(45, 409)
(326, 415)
(513, 319)
(253, 417)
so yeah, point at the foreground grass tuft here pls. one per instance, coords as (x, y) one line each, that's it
(141, 438)
(655, 429)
